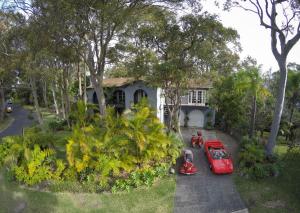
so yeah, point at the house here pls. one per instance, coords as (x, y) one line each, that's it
(123, 93)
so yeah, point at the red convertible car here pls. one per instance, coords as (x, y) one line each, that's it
(220, 161)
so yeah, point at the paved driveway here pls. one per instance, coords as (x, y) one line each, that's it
(206, 192)
(21, 120)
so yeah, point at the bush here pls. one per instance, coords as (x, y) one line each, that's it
(37, 166)
(118, 153)
(252, 160)
(139, 178)
(57, 125)
(124, 144)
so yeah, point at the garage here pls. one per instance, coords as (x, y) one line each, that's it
(196, 118)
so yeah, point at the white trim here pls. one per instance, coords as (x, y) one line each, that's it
(197, 97)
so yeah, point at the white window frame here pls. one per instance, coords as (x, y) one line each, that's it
(197, 97)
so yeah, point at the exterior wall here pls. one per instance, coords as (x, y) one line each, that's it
(187, 110)
(156, 100)
(153, 94)
(130, 90)
(90, 93)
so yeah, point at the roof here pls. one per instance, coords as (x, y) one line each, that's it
(119, 82)
(116, 82)
(199, 84)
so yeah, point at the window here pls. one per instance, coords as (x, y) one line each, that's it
(138, 95)
(119, 97)
(197, 96)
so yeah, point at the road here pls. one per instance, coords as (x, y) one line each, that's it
(21, 120)
(206, 192)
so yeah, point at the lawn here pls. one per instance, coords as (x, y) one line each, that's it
(158, 198)
(6, 123)
(280, 194)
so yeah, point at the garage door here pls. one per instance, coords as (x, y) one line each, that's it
(196, 118)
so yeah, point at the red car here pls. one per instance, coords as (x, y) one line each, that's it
(220, 161)
(187, 168)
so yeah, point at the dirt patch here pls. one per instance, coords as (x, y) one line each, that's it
(82, 200)
(20, 207)
(274, 204)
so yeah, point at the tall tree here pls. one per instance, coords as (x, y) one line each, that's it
(170, 52)
(281, 17)
(252, 82)
(92, 27)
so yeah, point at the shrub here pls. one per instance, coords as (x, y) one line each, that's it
(252, 161)
(38, 166)
(57, 125)
(143, 177)
(124, 144)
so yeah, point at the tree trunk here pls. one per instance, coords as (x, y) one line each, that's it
(66, 94)
(278, 107)
(97, 77)
(54, 100)
(253, 117)
(35, 100)
(45, 94)
(97, 85)
(84, 86)
(291, 113)
(79, 81)
(63, 111)
(2, 103)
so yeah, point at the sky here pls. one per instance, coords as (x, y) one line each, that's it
(255, 39)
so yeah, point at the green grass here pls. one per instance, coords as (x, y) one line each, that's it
(6, 123)
(280, 194)
(159, 198)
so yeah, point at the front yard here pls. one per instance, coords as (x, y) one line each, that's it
(280, 194)
(158, 198)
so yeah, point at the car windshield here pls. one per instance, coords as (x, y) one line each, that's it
(218, 153)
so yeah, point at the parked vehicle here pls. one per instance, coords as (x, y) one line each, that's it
(188, 168)
(220, 161)
(9, 108)
(197, 139)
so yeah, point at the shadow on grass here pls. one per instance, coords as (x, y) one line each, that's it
(276, 195)
(16, 199)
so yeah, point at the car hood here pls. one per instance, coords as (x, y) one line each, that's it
(222, 163)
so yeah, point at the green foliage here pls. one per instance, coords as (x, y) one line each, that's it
(227, 96)
(123, 151)
(252, 161)
(139, 178)
(124, 144)
(38, 165)
(57, 125)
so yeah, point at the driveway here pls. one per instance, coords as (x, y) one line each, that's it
(206, 192)
(21, 120)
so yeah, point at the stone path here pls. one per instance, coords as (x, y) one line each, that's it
(206, 192)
